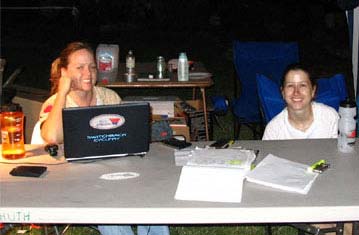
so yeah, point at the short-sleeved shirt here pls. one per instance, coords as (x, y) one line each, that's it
(104, 96)
(325, 125)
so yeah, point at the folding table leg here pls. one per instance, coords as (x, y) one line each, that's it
(355, 228)
(203, 91)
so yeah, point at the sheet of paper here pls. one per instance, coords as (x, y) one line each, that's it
(282, 174)
(210, 184)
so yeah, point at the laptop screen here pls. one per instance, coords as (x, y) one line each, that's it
(106, 131)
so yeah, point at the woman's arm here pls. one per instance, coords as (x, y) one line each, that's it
(51, 129)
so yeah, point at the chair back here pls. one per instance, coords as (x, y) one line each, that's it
(331, 91)
(251, 58)
(270, 97)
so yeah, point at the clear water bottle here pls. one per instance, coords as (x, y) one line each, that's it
(130, 74)
(182, 70)
(346, 126)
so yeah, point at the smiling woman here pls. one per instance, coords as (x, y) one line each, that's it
(77, 75)
(73, 78)
(302, 118)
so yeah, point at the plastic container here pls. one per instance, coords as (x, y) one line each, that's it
(12, 132)
(107, 62)
(182, 71)
(347, 126)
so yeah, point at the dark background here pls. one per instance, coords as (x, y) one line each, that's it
(33, 37)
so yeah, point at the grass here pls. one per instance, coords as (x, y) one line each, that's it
(174, 230)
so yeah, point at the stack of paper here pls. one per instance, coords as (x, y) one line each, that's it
(210, 157)
(228, 158)
(282, 174)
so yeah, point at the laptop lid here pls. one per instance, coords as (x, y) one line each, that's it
(106, 131)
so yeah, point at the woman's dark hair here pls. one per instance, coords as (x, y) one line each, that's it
(63, 60)
(297, 67)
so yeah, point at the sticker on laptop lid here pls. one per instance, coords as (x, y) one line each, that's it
(119, 176)
(107, 121)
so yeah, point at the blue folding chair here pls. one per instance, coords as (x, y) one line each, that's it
(251, 58)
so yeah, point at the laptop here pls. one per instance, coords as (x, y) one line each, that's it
(104, 131)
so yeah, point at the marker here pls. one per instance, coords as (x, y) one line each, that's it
(319, 166)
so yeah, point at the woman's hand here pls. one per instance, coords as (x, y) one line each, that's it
(65, 85)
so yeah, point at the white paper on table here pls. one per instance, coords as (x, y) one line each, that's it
(282, 174)
(210, 184)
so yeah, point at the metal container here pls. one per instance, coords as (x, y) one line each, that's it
(130, 77)
(161, 67)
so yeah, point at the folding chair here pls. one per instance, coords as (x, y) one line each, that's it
(251, 58)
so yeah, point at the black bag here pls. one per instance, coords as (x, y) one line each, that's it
(161, 130)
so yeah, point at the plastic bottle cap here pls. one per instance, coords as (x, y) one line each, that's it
(347, 104)
(183, 55)
(12, 107)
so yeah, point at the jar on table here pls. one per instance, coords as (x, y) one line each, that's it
(12, 131)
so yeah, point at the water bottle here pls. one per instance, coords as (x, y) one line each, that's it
(182, 70)
(346, 126)
(130, 74)
(12, 131)
(107, 62)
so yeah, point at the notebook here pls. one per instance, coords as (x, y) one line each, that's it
(106, 131)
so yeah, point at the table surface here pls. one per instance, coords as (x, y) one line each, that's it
(74, 192)
(144, 69)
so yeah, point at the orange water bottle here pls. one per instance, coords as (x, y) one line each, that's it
(12, 131)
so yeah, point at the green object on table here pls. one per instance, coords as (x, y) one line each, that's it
(317, 164)
(235, 162)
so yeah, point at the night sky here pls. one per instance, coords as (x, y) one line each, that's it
(33, 37)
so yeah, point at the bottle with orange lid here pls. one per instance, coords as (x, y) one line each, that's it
(12, 131)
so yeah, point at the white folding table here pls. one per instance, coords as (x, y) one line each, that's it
(75, 193)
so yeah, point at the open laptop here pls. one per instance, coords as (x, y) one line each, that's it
(106, 131)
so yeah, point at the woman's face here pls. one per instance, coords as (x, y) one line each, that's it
(297, 90)
(82, 70)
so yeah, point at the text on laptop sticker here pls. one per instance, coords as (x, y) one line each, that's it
(107, 121)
